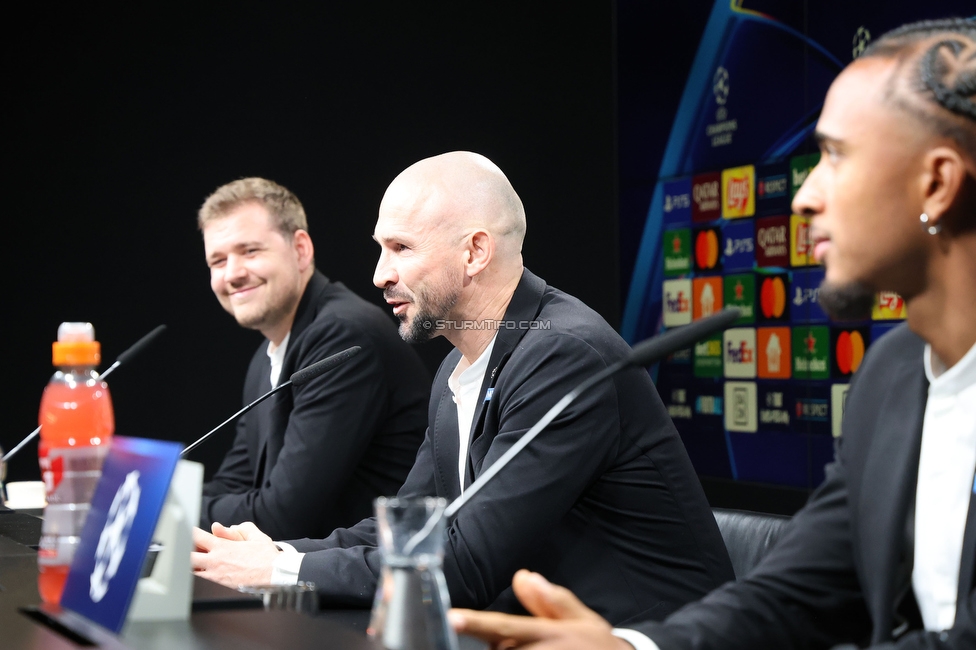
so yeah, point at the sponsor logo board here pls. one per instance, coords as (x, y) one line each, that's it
(677, 251)
(811, 352)
(811, 409)
(739, 192)
(775, 405)
(849, 345)
(801, 245)
(738, 246)
(773, 292)
(739, 352)
(676, 206)
(679, 406)
(772, 189)
(773, 241)
(707, 251)
(804, 296)
(741, 413)
(838, 402)
(740, 291)
(773, 346)
(706, 197)
(888, 305)
(708, 357)
(676, 302)
(800, 167)
(707, 297)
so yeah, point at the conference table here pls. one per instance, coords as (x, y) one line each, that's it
(220, 618)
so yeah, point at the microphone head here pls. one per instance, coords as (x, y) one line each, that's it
(654, 349)
(141, 344)
(308, 373)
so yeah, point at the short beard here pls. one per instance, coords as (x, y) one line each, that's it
(846, 302)
(432, 306)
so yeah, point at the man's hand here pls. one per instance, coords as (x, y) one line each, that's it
(563, 621)
(233, 556)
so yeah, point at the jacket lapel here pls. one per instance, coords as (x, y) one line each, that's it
(276, 410)
(523, 307)
(445, 439)
(888, 488)
(967, 565)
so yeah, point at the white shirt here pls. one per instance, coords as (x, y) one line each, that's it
(945, 485)
(465, 383)
(277, 356)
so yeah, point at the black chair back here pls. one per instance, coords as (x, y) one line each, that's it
(748, 536)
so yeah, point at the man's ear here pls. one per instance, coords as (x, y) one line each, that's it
(302, 244)
(479, 251)
(942, 180)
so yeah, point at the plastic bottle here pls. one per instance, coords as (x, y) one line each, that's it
(77, 423)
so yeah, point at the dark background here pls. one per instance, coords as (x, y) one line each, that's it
(118, 122)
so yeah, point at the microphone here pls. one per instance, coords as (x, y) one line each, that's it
(643, 354)
(133, 351)
(298, 378)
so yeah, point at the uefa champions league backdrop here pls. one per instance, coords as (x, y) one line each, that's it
(763, 401)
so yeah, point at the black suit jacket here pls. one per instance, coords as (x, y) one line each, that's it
(311, 459)
(842, 572)
(604, 501)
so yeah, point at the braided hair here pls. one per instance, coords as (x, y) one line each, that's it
(944, 74)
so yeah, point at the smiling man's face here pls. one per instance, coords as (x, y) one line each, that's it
(255, 270)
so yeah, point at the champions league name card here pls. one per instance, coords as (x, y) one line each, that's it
(119, 528)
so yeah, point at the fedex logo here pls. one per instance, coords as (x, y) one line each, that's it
(678, 303)
(739, 347)
(738, 354)
(676, 299)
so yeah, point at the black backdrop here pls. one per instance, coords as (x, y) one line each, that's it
(118, 122)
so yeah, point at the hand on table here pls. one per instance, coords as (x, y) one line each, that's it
(234, 555)
(562, 620)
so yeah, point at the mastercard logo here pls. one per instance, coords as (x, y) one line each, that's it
(706, 249)
(772, 297)
(849, 351)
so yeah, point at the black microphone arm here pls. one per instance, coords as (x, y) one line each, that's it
(125, 357)
(298, 378)
(643, 354)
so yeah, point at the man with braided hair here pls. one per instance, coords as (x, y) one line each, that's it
(884, 553)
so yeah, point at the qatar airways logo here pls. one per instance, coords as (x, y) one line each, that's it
(706, 196)
(773, 240)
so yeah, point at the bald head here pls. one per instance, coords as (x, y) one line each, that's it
(459, 192)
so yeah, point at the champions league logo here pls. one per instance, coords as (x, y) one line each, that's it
(720, 133)
(115, 534)
(860, 42)
(720, 86)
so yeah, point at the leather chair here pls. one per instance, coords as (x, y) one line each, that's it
(748, 536)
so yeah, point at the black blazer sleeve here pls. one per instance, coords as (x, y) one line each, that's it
(328, 428)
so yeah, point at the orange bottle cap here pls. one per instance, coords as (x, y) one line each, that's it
(76, 353)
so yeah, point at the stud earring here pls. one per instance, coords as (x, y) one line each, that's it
(928, 226)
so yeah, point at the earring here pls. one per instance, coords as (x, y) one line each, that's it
(933, 229)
